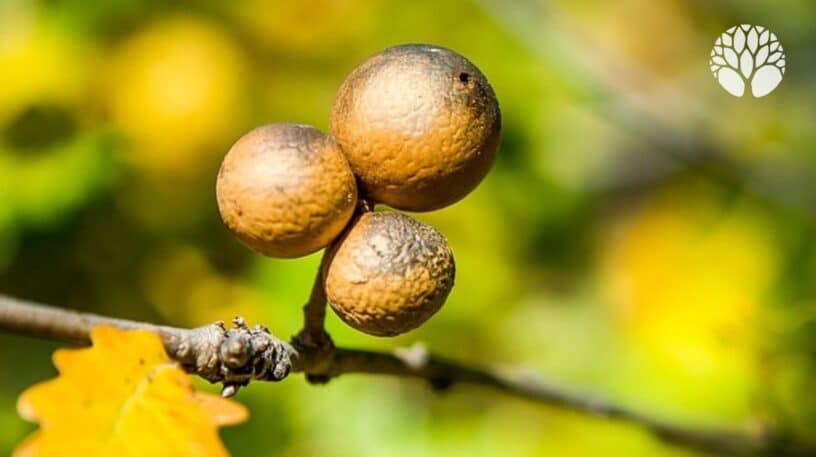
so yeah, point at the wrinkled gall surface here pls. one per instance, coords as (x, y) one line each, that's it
(286, 190)
(123, 397)
(420, 126)
(388, 274)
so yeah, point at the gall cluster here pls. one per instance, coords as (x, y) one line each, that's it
(416, 128)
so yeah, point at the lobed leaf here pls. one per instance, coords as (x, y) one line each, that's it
(123, 397)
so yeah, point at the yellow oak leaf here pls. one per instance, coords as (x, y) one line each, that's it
(123, 397)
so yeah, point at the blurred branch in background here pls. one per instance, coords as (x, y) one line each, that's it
(671, 125)
(238, 355)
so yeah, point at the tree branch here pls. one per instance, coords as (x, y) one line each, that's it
(314, 311)
(314, 334)
(238, 355)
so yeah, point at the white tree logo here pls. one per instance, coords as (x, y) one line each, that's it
(748, 55)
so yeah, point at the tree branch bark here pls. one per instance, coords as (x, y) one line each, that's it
(314, 311)
(240, 354)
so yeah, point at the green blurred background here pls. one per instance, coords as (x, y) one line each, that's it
(643, 235)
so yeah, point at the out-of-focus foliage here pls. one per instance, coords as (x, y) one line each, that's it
(174, 90)
(664, 266)
(643, 235)
(123, 396)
